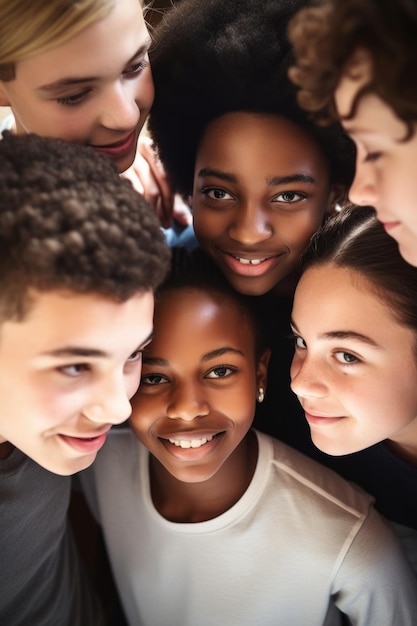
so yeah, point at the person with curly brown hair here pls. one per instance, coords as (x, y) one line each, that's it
(80, 254)
(355, 61)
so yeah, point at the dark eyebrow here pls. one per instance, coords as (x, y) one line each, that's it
(67, 82)
(274, 180)
(210, 171)
(294, 178)
(219, 352)
(150, 360)
(71, 351)
(343, 334)
(349, 334)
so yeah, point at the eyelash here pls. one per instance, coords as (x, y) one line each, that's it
(137, 356)
(136, 68)
(145, 379)
(75, 99)
(294, 338)
(372, 157)
(230, 368)
(82, 368)
(354, 361)
(207, 190)
(296, 195)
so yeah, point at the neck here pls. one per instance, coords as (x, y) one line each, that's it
(404, 443)
(6, 448)
(183, 502)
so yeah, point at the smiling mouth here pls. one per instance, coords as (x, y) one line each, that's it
(191, 443)
(249, 261)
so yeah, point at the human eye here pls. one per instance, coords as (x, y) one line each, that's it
(136, 68)
(73, 99)
(371, 157)
(135, 356)
(74, 370)
(288, 197)
(298, 342)
(346, 358)
(216, 193)
(221, 371)
(153, 379)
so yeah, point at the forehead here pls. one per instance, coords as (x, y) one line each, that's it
(198, 316)
(272, 140)
(97, 49)
(57, 318)
(327, 295)
(358, 74)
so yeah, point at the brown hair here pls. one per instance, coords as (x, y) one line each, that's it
(68, 221)
(356, 240)
(326, 38)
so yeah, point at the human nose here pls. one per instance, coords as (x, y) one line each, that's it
(250, 225)
(307, 379)
(363, 190)
(187, 402)
(120, 110)
(111, 404)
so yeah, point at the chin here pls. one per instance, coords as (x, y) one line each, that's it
(249, 288)
(409, 254)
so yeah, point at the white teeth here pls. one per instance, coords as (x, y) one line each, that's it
(191, 443)
(249, 261)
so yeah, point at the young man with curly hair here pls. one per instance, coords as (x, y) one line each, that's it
(355, 61)
(80, 254)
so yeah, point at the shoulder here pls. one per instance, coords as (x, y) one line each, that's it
(315, 483)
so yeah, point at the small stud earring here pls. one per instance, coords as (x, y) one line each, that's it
(261, 394)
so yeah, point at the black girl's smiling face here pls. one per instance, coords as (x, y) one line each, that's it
(261, 189)
(200, 377)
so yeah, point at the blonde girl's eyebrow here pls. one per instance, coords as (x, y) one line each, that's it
(79, 80)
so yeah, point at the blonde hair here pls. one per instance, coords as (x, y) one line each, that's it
(28, 28)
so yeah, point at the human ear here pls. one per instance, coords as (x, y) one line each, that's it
(262, 369)
(337, 196)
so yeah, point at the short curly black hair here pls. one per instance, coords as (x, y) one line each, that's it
(211, 57)
(326, 37)
(68, 221)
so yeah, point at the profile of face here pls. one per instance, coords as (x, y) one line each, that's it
(200, 377)
(261, 189)
(354, 368)
(67, 372)
(385, 164)
(95, 89)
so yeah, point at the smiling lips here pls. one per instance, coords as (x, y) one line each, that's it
(246, 266)
(191, 443)
(119, 148)
(322, 419)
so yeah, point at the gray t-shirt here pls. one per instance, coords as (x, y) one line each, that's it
(41, 579)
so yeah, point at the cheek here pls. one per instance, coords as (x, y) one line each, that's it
(145, 408)
(132, 383)
(145, 92)
(208, 226)
(296, 230)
